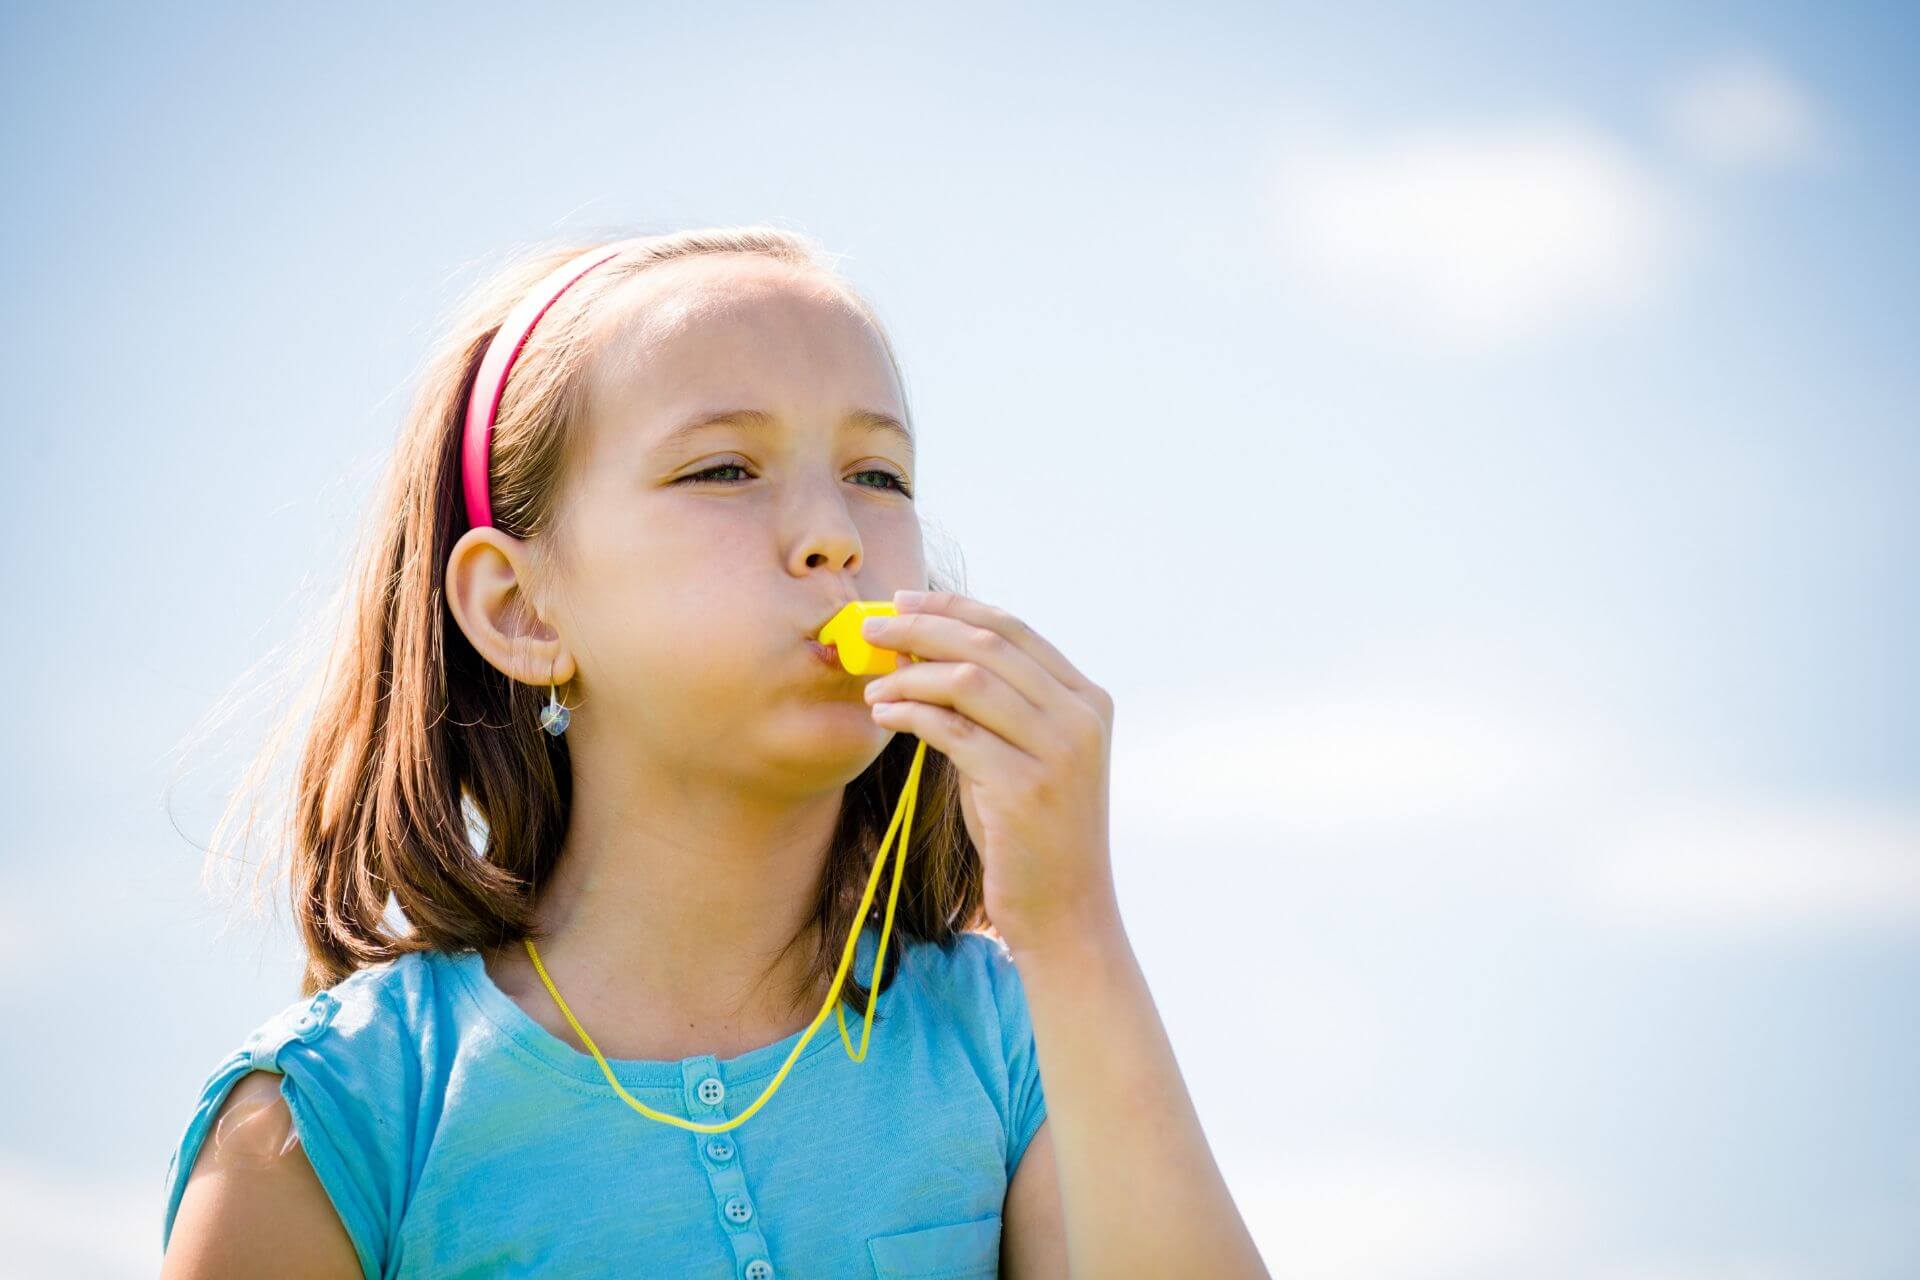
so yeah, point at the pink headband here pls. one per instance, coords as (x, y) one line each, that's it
(476, 446)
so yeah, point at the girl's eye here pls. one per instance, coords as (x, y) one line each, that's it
(708, 477)
(892, 481)
(701, 476)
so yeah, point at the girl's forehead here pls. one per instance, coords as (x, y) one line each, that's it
(711, 294)
(735, 339)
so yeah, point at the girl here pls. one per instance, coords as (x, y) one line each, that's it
(578, 732)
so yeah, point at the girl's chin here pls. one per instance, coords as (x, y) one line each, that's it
(853, 724)
(845, 711)
(859, 711)
(842, 742)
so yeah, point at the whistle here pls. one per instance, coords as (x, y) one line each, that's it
(860, 656)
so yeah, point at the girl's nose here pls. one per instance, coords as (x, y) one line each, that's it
(825, 535)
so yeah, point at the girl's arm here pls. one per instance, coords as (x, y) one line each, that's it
(1136, 1191)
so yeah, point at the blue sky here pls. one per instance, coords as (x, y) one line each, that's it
(1475, 445)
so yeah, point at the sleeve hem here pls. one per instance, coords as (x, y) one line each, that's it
(187, 1151)
(1019, 1150)
(334, 1177)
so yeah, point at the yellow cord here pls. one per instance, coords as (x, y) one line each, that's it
(902, 824)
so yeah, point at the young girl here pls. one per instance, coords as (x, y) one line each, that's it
(578, 731)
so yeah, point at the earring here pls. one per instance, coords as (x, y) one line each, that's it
(555, 715)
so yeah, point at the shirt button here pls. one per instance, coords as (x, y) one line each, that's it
(759, 1269)
(711, 1091)
(738, 1210)
(720, 1149)
(315, 1017)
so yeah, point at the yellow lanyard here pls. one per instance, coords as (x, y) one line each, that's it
(860, 659)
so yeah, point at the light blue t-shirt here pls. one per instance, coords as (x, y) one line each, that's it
(457, 1137)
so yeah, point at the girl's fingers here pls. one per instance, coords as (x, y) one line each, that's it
(975, 750)
(969, 688)
(1017, 632)
(943, 637)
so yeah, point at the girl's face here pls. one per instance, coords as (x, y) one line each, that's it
(697, 554)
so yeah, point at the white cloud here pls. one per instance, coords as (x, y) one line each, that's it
(80, 1226)
(1402, 1216)
(1742, 111)
(1765, 863)
(1475, 235)
(1547, 794)
(1351, 761)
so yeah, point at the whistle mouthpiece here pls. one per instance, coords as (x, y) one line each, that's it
(859, 655)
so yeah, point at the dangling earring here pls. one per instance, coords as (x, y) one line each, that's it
(555, 715)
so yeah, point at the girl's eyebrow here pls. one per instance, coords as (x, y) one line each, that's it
(760, 419)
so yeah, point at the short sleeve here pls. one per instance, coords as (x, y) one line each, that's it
(1026, 1097)
(344, 1075)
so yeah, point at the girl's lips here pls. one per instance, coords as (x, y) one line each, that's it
(826, 653)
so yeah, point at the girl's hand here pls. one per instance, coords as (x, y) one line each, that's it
(1031, 738)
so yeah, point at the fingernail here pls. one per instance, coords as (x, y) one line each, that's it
(909, 599)
(873, 626)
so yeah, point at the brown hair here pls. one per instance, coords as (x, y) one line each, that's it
(423, 776)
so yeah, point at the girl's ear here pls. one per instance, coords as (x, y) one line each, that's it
(489, 589)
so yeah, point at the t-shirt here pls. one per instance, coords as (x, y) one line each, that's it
(457, 1137)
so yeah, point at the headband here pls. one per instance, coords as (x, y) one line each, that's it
(483, 402)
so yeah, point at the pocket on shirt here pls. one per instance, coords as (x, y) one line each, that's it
(949, 1251)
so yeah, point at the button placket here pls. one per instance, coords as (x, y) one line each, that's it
(719, 1154)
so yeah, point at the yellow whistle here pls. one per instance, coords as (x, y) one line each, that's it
(860, 656)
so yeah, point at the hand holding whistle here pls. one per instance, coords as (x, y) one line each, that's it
(1029, 735)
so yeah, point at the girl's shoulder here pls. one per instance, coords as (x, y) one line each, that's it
(970, 971)
(368, 1036)
(379, 1003)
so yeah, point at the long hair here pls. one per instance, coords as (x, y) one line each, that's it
(423, 781)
